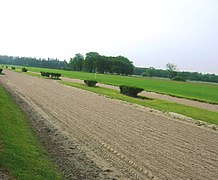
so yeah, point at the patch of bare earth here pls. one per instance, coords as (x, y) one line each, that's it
(201, 105)
(4, 175)
(114, 139)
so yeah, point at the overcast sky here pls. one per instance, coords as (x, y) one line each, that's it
(150, 33)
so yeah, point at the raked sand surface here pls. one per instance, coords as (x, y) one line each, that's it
(127, 141)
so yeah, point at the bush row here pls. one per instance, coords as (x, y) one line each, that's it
(52, 75)
(5, 66)
(126, 90)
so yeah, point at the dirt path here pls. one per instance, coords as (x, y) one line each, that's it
(124, 140)
(202, 105)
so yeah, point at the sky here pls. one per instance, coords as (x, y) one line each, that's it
(150, 33)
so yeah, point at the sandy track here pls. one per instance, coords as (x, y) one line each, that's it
(131, 140)
(201, 105)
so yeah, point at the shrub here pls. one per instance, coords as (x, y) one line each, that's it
(12, 67)
(42, 73)
(6, 67)
(45, 73)
(130, 91)
(91, 83)
(55, 75)
(24, 69)
(144, 74)
(178, 78)
(66, 69)
(1, 71)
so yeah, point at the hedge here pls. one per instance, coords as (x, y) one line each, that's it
(24, 69)
(91, 83)
(45, 74)
(53, 75)
(12, 67)
(1, 71)
(130, 90)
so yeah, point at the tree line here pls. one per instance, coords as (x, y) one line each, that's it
(33, 62)
(192, 76)
(94, 62)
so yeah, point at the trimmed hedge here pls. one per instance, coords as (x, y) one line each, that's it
(91, 83)
(130, 90)
(45, 74)
(24, 69)
(13, 68)
(1, 71)
(53, 75)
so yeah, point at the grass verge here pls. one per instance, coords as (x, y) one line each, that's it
(21, 154)
(165, 106)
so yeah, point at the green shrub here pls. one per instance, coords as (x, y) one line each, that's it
(91, 83)
(178, 78)
(42, 73)
(144, 74)
(55, 75)
(24, 69)
(6, 67)
(13, 68)
(130, 91)
(1, 71)
(45, 73)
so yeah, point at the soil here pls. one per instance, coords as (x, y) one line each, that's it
(5, 175)
(94, 137)
(153, 95)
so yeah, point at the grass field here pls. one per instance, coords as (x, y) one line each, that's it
(21, 154)
(191, 90)
(193, 112)
(196, 91)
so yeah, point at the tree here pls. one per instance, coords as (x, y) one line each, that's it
(150, 72)
(76, 63)
(102, 64)
(171, 68)
(90, 62)
(120, 65)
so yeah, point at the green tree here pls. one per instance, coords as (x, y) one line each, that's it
(150, 72)
(90, 62)
(171, 68)
(76, 63)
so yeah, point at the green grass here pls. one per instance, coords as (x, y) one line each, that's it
(21, 154)
(195, 113)
(196, 91)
